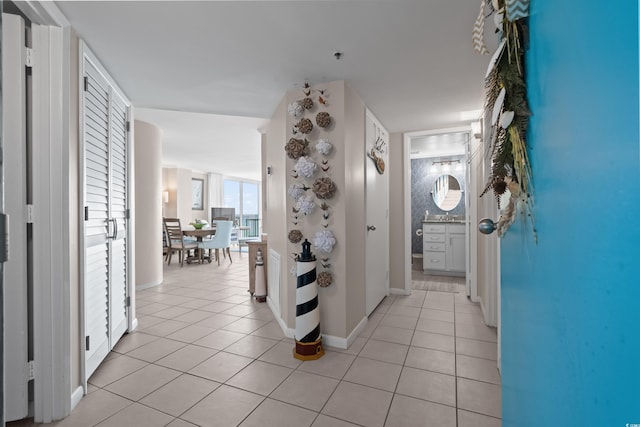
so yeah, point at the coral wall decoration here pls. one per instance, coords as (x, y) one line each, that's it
(507, 113)
(310, 171)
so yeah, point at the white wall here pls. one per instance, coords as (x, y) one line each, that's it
(275, 218)
(397, 238)
(177, 182)
(200, 213)
(148, 203)
(342, 305)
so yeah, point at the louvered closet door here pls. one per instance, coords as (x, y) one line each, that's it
(118, 264)
(97, 226)
(105, 117)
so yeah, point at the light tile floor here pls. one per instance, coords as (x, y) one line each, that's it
(206, 354)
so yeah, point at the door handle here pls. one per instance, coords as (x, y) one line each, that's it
(487, 226)
(371, 228)
(114, 235)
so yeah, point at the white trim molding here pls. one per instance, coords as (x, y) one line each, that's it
(407, 203)
(400, 291)
(328, 340)
(76, 396)
(51, 253)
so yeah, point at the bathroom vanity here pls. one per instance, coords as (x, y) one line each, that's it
(443, 245)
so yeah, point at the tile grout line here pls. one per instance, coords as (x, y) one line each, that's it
(368, 339)
(455, 358)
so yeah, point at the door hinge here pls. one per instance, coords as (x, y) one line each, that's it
(129, 301)
(128, 126)
(30, 214)
(86, 213)
(127, 213)
(86, 343)
(31, 370)
(28, 57)
(4, 237)
(86, 83)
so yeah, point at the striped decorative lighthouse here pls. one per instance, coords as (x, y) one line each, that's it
(308, 339)
(261, 284)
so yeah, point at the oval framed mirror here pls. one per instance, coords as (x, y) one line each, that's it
(446, 192)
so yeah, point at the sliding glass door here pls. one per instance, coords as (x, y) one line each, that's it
(244, 196)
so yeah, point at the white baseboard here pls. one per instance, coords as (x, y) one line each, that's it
(357, 330)
(484, 313)
(149, 285)
(482, 309)
(134, 325)
(344, 343)
(288, 332)
(77, 394)
(399, 291)
(336, 342)
(329, 340)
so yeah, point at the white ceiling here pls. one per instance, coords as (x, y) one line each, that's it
(439, 145)
(229, 145)
(411, 61)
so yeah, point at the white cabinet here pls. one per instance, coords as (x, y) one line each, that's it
(456, 260)
(443, 248)
(434, 247)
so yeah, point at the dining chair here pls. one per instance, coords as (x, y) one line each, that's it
(166, 250)
(234, 233)
(176, 240)
(221, 240)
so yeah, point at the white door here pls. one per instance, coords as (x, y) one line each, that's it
(377, 214)
(105, 115)
(15, 269)
(118, 208)
(97, 227)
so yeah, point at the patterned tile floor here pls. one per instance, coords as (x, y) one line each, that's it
(206, 354)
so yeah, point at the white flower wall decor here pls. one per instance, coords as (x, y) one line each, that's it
(324, 241)
(297, 190)
(305, 205)
(324, 147)
(295, 109)
(306, 166)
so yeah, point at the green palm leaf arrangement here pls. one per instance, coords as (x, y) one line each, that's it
(507, 145)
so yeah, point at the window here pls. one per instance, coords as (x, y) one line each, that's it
(244, 196)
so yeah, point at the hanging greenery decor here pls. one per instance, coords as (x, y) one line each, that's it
(506, 104)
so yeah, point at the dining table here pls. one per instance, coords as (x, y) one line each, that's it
(199, 234)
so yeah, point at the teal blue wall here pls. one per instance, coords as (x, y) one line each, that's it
(571, 304)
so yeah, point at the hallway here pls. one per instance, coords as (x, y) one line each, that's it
(207, 354)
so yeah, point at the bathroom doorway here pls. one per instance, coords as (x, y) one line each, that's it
(439, 212)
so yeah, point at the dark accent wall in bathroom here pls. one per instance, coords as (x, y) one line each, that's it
(422, 180)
